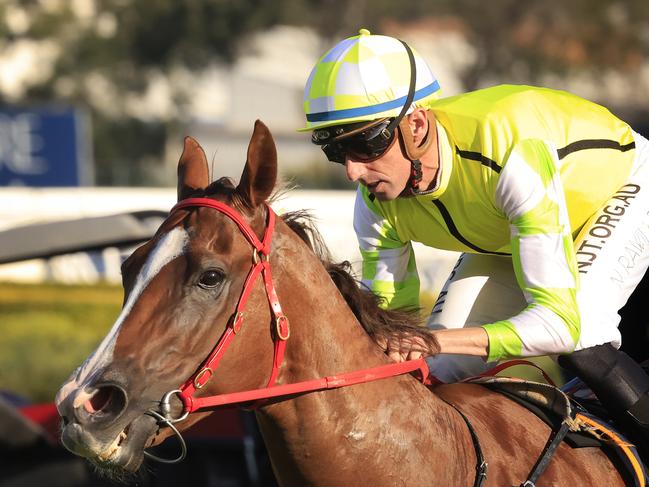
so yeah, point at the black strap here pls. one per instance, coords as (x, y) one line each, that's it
(541, 464)
(481, 464)
(415, 175)
(411, 89)
(550, 447)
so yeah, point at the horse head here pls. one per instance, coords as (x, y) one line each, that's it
(180, 290)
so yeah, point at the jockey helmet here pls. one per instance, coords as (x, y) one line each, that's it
(363, 78)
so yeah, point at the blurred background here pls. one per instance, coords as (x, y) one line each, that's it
(96, 96)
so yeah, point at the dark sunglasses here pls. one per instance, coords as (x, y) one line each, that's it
(364, 143)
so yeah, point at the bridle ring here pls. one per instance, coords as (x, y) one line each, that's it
(183, 446)
(258, 256)
(165, 407)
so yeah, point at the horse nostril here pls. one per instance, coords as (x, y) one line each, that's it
(97, 402)
(107, 402)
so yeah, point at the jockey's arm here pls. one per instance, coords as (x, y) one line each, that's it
(389, 268)
(465, 341)
(530, 195)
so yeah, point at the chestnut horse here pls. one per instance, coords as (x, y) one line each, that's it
(181, 290)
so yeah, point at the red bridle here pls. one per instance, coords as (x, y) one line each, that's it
(261, 265)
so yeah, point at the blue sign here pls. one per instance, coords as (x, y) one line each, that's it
(43, 147)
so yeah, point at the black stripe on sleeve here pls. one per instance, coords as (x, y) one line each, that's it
(593, 144)
(476, 156)
(455, 232)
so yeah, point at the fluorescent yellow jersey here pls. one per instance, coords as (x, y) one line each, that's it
(521, 170)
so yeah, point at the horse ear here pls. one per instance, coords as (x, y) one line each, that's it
(260, 172)
(193, 175)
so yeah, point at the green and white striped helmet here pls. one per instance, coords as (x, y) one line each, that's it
(364, 77)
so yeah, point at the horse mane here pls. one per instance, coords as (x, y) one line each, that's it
(381, 324)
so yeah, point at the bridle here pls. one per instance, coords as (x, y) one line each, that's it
(260, 266)
(281, 332)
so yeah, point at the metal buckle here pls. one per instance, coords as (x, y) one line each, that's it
(258, 257)
(278, 327)
(199, 376)
(236, 322)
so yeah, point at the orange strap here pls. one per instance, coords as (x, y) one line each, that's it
(621, 444)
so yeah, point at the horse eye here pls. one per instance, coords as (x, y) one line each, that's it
(210, 279)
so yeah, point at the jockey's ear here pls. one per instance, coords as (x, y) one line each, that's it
(260, 171)
(193, 175)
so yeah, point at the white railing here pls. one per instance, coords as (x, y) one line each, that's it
(23, 206)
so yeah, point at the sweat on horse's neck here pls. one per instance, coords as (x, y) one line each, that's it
(321, 438)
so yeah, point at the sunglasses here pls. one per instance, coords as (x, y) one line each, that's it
(365, 143)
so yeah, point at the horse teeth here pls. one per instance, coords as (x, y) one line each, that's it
(114, 446)
(109, 452)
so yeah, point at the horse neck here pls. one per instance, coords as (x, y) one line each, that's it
(326, 336)
(326, 339)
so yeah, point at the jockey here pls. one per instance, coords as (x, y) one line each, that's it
(545, 194)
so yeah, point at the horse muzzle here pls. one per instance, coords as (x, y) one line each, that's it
(124, 451)
(99, 425)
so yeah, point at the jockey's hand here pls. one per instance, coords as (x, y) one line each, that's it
(401, 349)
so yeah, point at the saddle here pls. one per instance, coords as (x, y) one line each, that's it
(571, 421)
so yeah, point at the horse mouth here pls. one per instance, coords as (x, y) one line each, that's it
(114, 447)
(123, 455)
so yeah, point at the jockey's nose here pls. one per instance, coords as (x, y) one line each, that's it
(102, 403)
(354, 169)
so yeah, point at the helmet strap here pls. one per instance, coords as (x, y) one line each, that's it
(413, 153)
(411, 88)
(415, 175)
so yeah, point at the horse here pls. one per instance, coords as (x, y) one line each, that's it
(182, 295)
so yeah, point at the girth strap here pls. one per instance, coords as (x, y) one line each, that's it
(551, 446)
(481, 463)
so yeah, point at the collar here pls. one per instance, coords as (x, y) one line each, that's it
(445, 164)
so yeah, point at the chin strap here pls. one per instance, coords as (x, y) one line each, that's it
(414, 152)
(415, 175)
(400, 124)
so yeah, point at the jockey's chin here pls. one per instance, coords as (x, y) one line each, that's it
(384, 191)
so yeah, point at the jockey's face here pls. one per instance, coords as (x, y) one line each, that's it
(385, 177)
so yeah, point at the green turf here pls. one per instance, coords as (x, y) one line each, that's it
(46, 331)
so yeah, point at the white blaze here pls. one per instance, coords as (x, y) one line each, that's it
(169, 247)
